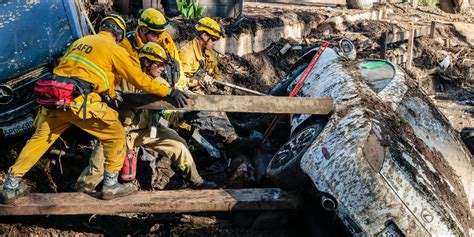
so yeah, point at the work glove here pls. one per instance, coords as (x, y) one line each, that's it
(172, 72)
(207, 80)
(118, 96)
(179, 97)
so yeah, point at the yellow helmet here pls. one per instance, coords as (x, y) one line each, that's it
(209, 26)
(118, 29)
(153, 20)
(153, 52)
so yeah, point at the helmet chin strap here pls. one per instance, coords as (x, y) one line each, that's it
(205, 41)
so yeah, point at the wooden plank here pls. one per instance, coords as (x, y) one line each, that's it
(234, 103)
(152, 202)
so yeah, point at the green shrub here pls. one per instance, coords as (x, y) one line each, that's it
(190, 9)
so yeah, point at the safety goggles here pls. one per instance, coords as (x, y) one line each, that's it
(214, 39)
(154, 33)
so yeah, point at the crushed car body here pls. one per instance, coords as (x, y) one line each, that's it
(386, 161)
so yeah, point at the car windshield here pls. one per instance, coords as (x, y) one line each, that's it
(32, 33)
(376, 73)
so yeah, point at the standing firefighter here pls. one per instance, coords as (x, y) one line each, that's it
(73, 97)
(140, 124)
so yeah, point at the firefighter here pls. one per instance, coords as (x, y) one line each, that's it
(152, 28)
(199, 62)
(90, 64)
(139, 125)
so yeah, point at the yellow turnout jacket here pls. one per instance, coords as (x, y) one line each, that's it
(191, 55)
(97, 59)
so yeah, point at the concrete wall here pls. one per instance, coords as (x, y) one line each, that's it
(293, 28)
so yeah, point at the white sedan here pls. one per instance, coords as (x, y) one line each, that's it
(386, 161)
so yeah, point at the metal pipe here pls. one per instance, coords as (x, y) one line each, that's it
(238, 87)
(328, 202)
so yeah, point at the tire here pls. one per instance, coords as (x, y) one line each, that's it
(284, 168)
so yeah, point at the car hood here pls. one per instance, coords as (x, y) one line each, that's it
(33, 33)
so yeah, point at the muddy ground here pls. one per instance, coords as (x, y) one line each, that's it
(452, 90)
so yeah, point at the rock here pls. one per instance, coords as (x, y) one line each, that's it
(285, 49)
(155, 228)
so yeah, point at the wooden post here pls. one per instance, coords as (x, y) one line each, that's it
(383, 49)
(433, 29)
(410, 47)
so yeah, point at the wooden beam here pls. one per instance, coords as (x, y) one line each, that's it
(153, 202)
(234, 103)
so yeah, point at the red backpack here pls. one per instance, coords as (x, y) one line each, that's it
(129, 168)
(59, 92)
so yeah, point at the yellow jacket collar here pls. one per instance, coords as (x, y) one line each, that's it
(107, 35)
(138, 40)
(197, 50)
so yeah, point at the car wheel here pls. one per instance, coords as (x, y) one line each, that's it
(284, 168)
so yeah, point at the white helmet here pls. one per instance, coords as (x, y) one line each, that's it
(347, 49)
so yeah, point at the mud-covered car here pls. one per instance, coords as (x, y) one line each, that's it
(386, 160)
(33, 34)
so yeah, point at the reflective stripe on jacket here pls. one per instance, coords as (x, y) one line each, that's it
(97, 59)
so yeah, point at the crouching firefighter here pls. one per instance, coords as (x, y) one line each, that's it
(145, 131)
(73, 97)
(200, 65)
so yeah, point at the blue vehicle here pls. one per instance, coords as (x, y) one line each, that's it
(33, 35)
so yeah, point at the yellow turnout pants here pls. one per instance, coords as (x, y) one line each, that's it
(102, 122)
(167, 143)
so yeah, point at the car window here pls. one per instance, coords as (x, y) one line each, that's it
(377, 73)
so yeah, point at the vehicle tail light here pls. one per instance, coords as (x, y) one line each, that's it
(374, 151)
